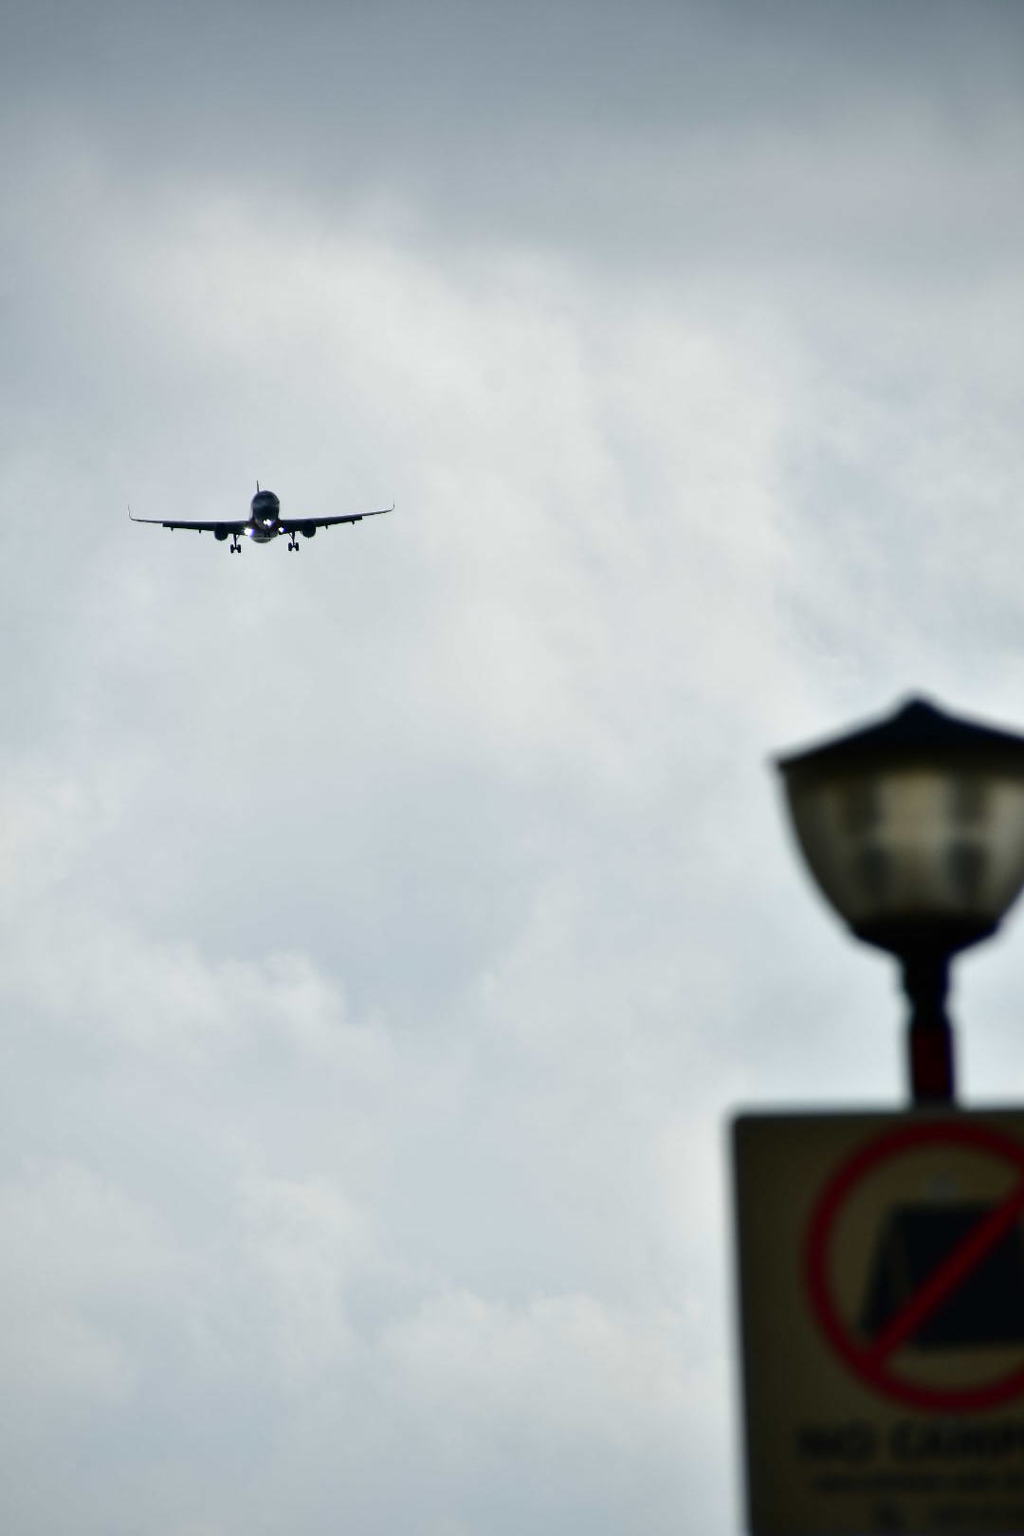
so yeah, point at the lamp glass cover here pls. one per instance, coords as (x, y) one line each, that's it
(914, 846)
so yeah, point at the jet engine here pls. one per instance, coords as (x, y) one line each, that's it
(307, 533)
(220, 533)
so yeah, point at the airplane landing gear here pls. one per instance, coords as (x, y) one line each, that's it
(293, 545)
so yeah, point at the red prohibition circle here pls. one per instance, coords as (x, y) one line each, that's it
(868, 1361)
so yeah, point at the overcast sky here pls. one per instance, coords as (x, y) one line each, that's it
(389, 933)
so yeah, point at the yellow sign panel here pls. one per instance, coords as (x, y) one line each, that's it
(881, 1269)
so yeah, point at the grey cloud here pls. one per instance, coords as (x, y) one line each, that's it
(669, 129)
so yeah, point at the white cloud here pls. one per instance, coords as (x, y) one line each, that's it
(78, 1252)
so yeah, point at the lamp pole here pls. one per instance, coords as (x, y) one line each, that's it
(931, 1054)
(913, 830)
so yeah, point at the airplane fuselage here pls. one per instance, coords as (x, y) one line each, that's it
(264, 518)
(264, 523)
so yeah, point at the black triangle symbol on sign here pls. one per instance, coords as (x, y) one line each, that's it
(987, 1307)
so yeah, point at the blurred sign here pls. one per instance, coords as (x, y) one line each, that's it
(881, 1265)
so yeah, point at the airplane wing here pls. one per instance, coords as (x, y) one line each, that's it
(307, 525)
(235, 527)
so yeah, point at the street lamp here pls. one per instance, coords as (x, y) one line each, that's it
(914, 831)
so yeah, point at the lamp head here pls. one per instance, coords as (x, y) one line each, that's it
(913, 828)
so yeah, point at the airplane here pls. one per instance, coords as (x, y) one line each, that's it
(263, 523)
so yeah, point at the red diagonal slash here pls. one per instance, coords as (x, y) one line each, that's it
(873, 1363)
(951, 1273)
